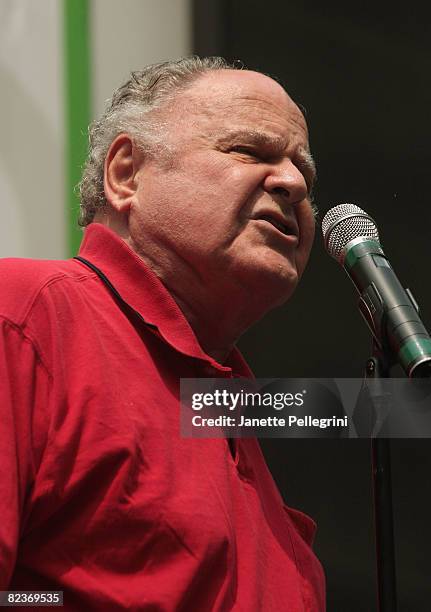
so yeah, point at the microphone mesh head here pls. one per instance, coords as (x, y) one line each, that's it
(342, 224)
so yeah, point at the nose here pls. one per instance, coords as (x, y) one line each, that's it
(285, 179)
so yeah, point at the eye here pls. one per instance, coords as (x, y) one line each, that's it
(244, 150)
(249, 153)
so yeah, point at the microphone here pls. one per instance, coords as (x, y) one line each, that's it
(390, 311)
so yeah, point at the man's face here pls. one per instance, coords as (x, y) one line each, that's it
(230, 201)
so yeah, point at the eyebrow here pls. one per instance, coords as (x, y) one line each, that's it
(279, 143)
(302, 156)
(254, 137)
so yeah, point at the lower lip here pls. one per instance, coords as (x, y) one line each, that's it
(290, 238)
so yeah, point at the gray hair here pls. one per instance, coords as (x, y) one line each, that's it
(128, 110)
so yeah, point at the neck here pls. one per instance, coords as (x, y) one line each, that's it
(218, 307)
(219, 313)
(217, 320)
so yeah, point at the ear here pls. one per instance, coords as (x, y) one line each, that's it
(121, 164)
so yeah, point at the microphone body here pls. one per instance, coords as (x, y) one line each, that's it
(389, 310)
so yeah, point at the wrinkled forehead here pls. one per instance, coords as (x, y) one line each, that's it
(240, 97)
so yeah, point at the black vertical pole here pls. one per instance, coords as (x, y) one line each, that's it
(384, 529)
(382, 489)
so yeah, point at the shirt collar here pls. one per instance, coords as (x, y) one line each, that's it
(143, 291)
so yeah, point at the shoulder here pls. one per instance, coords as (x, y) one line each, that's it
(23, 280)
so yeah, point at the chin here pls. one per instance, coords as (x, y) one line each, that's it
(266, 275)
(275, 284)
(280, 269)
(285, 293)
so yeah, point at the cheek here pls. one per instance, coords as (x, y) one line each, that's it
(204, 204)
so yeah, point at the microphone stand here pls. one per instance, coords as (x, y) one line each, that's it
(378, 367)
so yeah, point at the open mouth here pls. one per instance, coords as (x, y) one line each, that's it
(284, 228)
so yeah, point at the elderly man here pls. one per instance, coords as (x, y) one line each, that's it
(196, 202)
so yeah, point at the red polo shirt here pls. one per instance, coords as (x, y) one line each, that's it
(99, 495)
